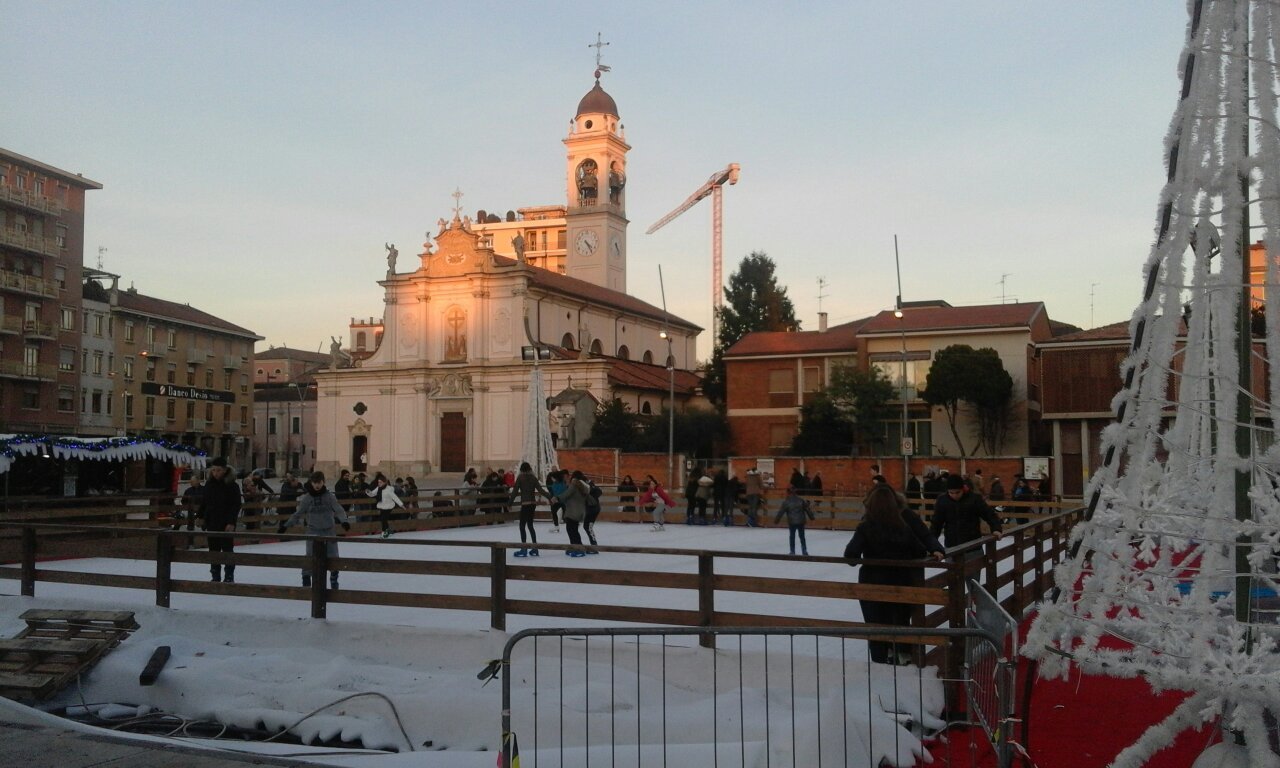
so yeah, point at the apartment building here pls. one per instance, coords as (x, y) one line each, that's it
(41, 252)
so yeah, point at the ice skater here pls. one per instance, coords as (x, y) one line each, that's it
(797, 511)
(657, 496)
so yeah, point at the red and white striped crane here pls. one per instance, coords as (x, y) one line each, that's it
(713, 187)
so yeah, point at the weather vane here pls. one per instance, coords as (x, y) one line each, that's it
(599, 44)
(457, 202)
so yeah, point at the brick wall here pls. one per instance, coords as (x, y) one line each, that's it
(852, 476)
(610, 464)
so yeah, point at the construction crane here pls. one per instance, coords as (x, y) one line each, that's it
(715, 188)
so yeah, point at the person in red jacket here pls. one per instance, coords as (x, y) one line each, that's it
(654, 494)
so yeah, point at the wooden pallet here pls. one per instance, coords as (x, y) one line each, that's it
(56, 647)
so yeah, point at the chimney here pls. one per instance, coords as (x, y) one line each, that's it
(822, 322)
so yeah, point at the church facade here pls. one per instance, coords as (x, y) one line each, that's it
(448, 385)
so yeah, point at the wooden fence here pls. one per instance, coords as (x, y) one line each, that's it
(1017, 569)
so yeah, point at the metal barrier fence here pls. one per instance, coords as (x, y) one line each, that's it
(785, 696)
(991, 685)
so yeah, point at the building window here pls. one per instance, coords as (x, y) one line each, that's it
(624, 353)
(226, 416)
(244, 382)
(360, 340)
(149, 406)
(295, 425)
(812, 379)
(66, 359)
(172, 338)
(780, 435)
(60, 237)
(66, 399)
(39, 187)
(648, 357)
(97, 325)
(567, 341)
(31, 313)
(208, 411)
(19, 181)
(111, 363)
(226, 381)
(271, 425)
(171, 374)
(244, 416)
(95, 404)
(97, 363)
(150, 336)
(645, 408)
(191, 410)
(128, 405)
(128, 369)
(31, 397)
(128, 331)
(208, 378)
(108, 399)
(191, 375)
(170, 409)
(782, 388)
(151, 369)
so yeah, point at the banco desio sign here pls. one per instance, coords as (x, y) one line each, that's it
(187, 393)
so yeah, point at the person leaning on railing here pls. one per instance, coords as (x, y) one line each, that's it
(318, 509)
(889, 531)
(958, 514)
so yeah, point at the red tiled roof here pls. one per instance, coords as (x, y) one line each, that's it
(837, 338)
(1114, 332)
(183, 313)
(637, 375)
(1059, 328)
(596, 294)
(289, 353)
(954, 318)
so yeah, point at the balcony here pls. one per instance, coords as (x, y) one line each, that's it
(198, 356)
(43, 246)
(153, 350)
(231, 362)
(30, 201)
(11, 324)
(154, 421)
(197, 425)
(28, 284)
(34, 329)
(17, 369)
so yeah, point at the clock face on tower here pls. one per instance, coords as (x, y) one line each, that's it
(586, 242)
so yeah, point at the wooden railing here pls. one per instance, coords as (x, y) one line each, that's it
(1017, 569)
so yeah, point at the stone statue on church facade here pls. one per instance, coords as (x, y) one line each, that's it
(392, 255)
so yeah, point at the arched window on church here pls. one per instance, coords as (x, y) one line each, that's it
(648, 357)
(360, 340)
(567, 341)
(624, 353)
(596, 349)
(588, 181)
(645, 408)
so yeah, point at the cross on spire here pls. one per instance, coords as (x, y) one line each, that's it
(457, 202)
(599, 45)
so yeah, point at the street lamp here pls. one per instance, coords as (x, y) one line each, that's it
(906, 455)
(671, 409)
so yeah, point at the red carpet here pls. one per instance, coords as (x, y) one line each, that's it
(1083, 722)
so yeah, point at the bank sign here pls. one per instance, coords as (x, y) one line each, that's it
(187, 393)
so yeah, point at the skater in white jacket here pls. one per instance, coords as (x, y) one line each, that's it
(387, 501)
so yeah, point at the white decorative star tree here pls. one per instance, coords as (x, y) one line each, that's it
(1172, 572)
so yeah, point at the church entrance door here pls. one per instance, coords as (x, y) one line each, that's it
(453, 442)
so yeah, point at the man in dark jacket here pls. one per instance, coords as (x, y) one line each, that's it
(959, 512)
(220, 507)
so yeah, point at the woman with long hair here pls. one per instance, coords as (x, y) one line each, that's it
(889, 531)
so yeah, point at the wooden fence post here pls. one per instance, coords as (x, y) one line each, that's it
(164, 568)
(498, 588)
(28, 561)
(1020, 600)
(319, 574)
(706, 597)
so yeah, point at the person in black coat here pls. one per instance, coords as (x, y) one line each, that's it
(958, 515)
(889, 531)
(220, 509)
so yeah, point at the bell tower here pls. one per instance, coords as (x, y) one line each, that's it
(596, 176)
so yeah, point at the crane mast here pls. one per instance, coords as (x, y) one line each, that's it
(714, 187)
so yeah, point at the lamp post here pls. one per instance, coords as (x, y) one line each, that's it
(671, 384)
(902, 326)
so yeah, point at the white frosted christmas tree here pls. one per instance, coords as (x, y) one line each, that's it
(1173, 574)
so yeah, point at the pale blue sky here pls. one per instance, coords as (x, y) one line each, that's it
(255, 156)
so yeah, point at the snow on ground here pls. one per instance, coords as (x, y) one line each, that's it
(259, 663)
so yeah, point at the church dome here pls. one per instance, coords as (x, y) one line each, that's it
(597, 102)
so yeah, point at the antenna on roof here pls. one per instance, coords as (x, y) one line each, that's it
(1091, 292)
(822, 284)
(101, 250)
(1003, 279)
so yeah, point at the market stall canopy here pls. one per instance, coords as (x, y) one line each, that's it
(98, 449)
